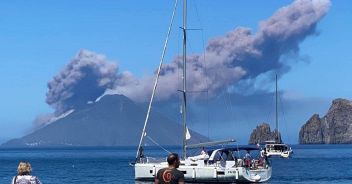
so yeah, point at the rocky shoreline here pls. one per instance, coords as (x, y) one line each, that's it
(333, 128)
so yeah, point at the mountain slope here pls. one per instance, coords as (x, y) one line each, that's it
(114, 120)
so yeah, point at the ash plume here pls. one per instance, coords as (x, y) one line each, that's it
(84, 79)
(239, 55)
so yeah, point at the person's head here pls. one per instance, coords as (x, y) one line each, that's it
(24, 168)
(173, 160)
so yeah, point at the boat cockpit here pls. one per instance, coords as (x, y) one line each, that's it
(249, 157)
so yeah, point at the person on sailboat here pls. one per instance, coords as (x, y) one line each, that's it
(262, 158)
(203, 156)
(24, 175)
(141, 154)
(170, 175)
(203, 152)
(247, 159)
(262, 152)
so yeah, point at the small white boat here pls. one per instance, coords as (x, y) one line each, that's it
(277, 149)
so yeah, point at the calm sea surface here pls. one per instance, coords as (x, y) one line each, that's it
(311, 164)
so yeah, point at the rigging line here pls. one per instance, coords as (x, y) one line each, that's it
(270, 110)
(197, 13)
(232, 112)
(205, 62)
(179, 106)
(178, 66)
(206, 82)
(284, 119)
(270, 96)
(195, 152)
(228, 104)
(194, 29)
(208, 114)
(184, 59)
(205, 67)
(204, 91)
(158, 144)
(157, 77)
(238, 152)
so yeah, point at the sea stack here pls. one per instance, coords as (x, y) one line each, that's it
(334, 128)
(261, 134)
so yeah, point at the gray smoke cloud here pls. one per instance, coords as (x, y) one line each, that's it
(237, 56)
(85, 78)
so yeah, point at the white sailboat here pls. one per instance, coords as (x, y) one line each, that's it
(225, 165)
(273, 148)
(276, 147)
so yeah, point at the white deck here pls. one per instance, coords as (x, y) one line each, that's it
(209, 170)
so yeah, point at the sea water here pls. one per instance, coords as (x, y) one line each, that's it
(318, 164)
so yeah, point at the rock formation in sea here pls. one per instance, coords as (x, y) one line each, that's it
(263, 133)
(334, 128)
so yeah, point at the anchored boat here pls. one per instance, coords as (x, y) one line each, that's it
(276, 147)
(226, 165)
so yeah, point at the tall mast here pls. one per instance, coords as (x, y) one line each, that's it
(276, 111)
(184, 105)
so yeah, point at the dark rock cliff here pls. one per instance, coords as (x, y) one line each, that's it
(334, 128)
(263, 133)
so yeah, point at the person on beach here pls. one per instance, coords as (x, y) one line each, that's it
(24, 175)
(170, 175)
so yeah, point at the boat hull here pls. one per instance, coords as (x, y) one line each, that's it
(285, 154)
(205, 174)
(277, 150)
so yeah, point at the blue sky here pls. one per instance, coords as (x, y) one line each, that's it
(38, 38)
